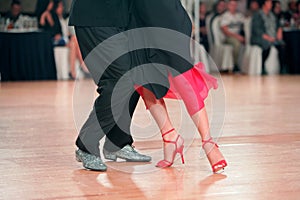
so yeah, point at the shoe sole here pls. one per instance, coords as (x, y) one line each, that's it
(97, 170)
(126, 159)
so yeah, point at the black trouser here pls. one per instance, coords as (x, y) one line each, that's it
(102, 120)
(281, 55)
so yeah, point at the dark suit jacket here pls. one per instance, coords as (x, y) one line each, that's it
(100, 13)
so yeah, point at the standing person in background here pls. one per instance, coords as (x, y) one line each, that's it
(50, 17)
(52, 20)
(232, 26)
(60, 27)
(265, 32)
(45, 19)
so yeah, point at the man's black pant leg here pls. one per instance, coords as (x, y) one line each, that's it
(91, 132)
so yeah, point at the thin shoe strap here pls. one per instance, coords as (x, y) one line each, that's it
(174, 142)
(169, 141)
(210, 140)
(169, 131)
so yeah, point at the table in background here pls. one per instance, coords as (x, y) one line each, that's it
(26, 56)
(292, 40)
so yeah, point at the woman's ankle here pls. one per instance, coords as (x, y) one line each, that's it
(171, 136)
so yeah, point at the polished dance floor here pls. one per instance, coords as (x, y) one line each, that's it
(257, 120)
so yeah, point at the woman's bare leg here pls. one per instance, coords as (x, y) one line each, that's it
(159, 112)
(72, 57)
(79, 56)
(200, 119)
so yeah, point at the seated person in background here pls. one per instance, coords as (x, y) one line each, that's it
(265, 32)
(219, 9)
(14, 14)
(51, 20)
(60, 28)
(203, 30)
(297, 15)
(276, 9)
(292, 9)
(66, 37)
(253, 7)
(232, 26)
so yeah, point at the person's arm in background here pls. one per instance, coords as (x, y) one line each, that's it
(279, 34)
(46, 17)
(258, 30)
(228, 33)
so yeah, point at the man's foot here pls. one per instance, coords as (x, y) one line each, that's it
(127, 153)
(90, 161)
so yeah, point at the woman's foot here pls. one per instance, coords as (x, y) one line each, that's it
(173, 144)
(214, 155)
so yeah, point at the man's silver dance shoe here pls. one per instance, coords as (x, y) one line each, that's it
(127, 153)
(90, 161)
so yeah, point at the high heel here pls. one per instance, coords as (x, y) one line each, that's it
(178, 149)
(220, 165)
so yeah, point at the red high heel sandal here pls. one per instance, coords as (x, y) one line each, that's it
(178, 149)
(220, 164)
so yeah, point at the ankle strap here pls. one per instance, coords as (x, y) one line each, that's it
(169, 131)
(210, 140)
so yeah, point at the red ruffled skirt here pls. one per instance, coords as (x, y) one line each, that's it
(192, 87)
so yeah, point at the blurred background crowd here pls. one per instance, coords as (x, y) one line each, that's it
(240, 35)
(249, 30)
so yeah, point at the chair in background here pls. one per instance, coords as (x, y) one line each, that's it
(220, 53)
(61, 55)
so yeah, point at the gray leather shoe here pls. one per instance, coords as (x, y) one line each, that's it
(90, 161)
(127, 153)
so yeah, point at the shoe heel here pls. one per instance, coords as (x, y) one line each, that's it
(180, 151)
(110, 157)
(77, 158)
(182, 159)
